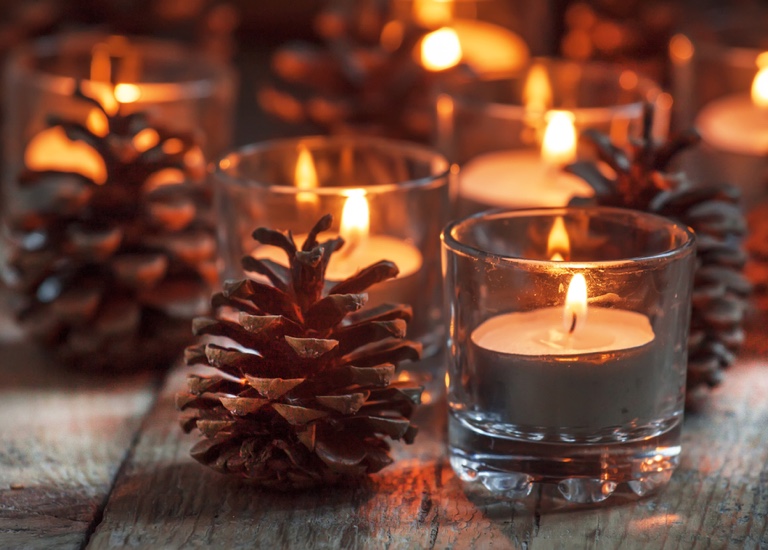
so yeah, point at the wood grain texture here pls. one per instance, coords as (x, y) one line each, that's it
(63, 437)
(718, 497)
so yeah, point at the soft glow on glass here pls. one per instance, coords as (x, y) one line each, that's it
(305, 177)
(440, 50)
(558, 244)
(559, 145)
(575, 311)
(760, 83)
(537, 91)
(355, 221)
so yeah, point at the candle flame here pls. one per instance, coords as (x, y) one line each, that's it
(432, 13)
(305, 177)
(575, 311)
(127, 93)
(559, 145)
(558, 244)
(537, 91)
(760, 83)
(441, 50)
(355, 221)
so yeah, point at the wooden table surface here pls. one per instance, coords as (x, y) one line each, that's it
(91, 462)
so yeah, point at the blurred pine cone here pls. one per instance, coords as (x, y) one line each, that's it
(721, 290)
(631, 32)
(306, 396)
(363, 78)
(108, 272)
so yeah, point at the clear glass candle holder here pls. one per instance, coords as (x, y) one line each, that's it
(289, 184)
(568, 331)
(512, 135)
(108, 240)
(180, 89)
(715, 68)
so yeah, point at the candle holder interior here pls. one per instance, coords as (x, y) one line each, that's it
(582, 402)
(180, 90)
(508, 112)
(405, 187)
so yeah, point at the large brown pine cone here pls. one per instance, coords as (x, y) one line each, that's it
(110, 273)
(304, 394)
(721, 291)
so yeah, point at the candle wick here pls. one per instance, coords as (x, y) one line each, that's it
(573, 324)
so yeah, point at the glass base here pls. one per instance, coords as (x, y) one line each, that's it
(508, 468)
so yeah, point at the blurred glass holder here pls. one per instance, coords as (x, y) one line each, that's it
(108, 240)
(513, 135)
(567, 360)
(720, 84)
(389, 200)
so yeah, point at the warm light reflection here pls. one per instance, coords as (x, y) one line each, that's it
(305, 177)
(559, 145)
(173, 146)
(432, 13)
(97, 123)
(537, 91)
(392, 35)
(146, 139)
(355, 221)
(680, 49)
(440, 50)
(760, 83)
(558, 244)
(575, 311)
(51, 149)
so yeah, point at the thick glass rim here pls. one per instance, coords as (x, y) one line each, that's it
(410, 149)
(21, 64)
(452, 243)
(646, 88)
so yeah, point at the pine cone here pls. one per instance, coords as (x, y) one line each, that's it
(352, 83)
(721, 291)
(307, 396)
(633, 33)
(109, 274)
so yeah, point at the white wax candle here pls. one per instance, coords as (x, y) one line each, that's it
(536, 375)
(518, 179)
(540, 333)
(735, 124)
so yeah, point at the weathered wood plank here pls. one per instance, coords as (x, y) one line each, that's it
(718, 498)
(63, 437)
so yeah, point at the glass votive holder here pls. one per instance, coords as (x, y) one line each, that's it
(513, 135)
(108, 240)
(568, 332)
(720, 82)
(400, 193)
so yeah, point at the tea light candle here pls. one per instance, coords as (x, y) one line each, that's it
(560, 367)
(360, 249)
(736, 127)
(739, 123)
(526, 177)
